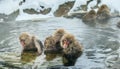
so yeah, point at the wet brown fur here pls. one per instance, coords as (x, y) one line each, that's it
(103, 12)
(90, 16)
(72, 52)
(58, 34)
(31, 43)
(49, 42)
(52, 43)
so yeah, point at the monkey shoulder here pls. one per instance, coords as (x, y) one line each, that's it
(78, 46)
(38, 40)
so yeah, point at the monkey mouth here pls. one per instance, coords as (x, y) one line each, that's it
(22, 43)
(65, 45)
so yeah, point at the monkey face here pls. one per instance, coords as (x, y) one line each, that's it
(65, 43)
(67, 40)
(22, 42)
(25, 39)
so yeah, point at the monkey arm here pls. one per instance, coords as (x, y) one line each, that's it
(41, 45)
(73, 51)
(54, 48)
(52, 51)
(38, 45)
(70, 58)
(27, 49)
(58, 46)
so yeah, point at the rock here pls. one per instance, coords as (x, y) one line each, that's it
(64, 9)
(32, 11)
(9, 17)
(77, 14)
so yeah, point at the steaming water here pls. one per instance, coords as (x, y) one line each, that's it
(100, 40)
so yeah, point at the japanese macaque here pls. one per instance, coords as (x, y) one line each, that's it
(30, 43)
(58, 35)
(49, 45)
(72, 49)
(103, 12)
(52, 43)
(90, 16)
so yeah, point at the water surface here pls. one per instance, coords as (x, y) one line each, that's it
(98, 40)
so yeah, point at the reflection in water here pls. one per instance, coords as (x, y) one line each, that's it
(50, 57)
(28, 57)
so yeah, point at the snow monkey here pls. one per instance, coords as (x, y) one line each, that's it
(103, 12)
(72, 49)
(52, 43)
(90, 16)
(30, 43)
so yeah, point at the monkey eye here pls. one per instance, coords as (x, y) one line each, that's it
(70, 41)
(22, 40)
(65, 40)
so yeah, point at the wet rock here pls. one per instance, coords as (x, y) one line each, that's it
(84, 7)
(95, 6)
(98, 2)
(21, 2)
(32, 11)
(2, 16)
(89, 1)
(77, 14)
(9, 17)
(64, 9)
(13, 15)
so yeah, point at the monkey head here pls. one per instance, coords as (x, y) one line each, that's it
(103, 9)
(58, 34)
(25, 39)
(49, 42)
(104, 6)
(67, 40)
(92, 12)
